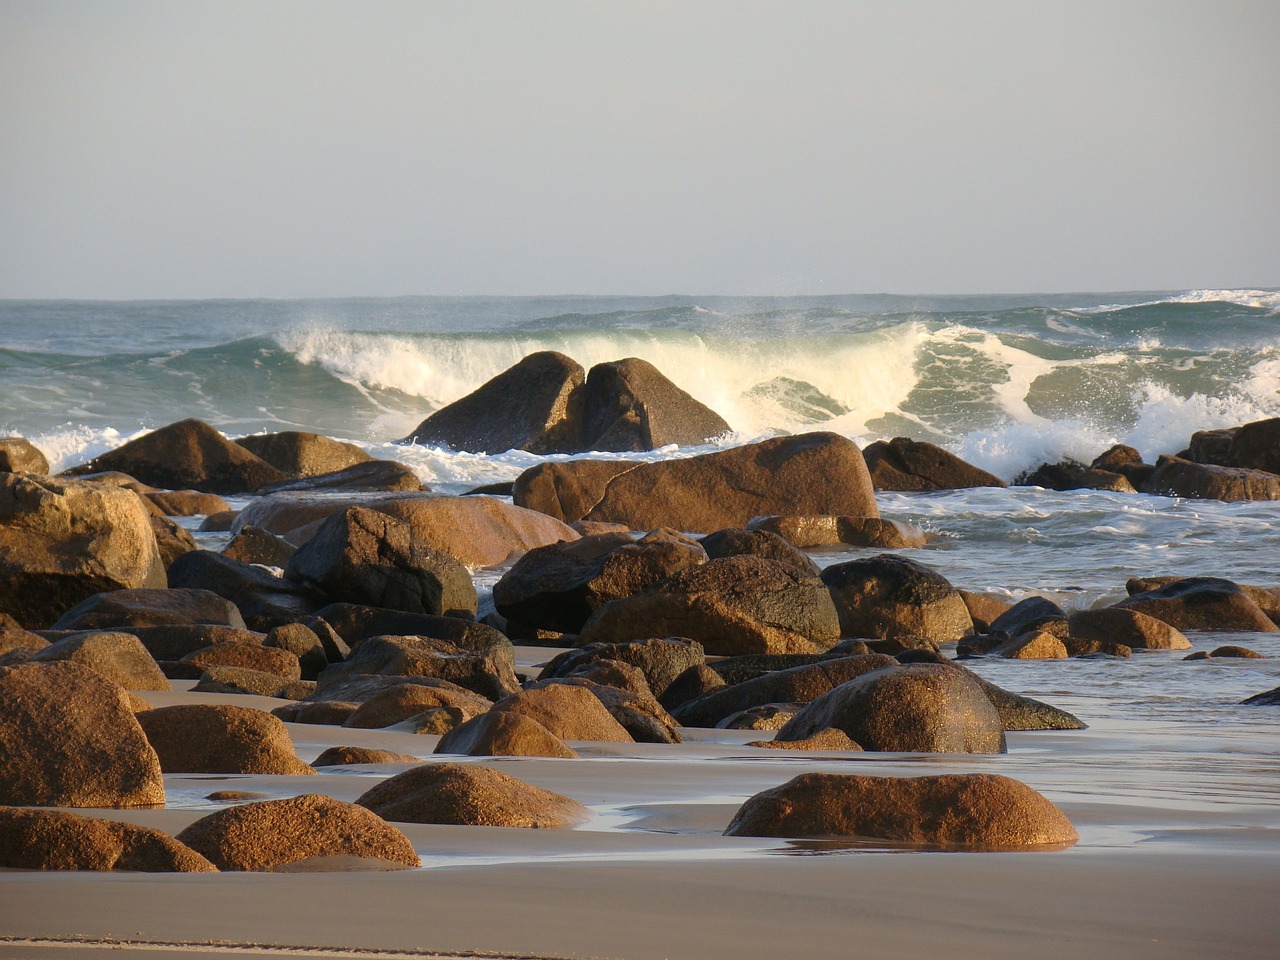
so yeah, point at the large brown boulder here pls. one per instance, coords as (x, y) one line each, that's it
(299, 454)
(1069, 475)
(394, 704)
(557, 587)
(488, 673)
(1202, 603)
(967, 810)
(120, 657)
(535, 405)
(1175, 477)
(175, 641)
(890, 596)
(804, 474)
(470, 795)
(252, 545)
(1130, 627)
(906, 464)
(372, 475)
(363, 556)
(734, 605)
(800, 684)
(150, 607)
(259, 683)
(248, 656)
(1256, 446)
(189, 454)
(62, 541)
(354, 624)
(503, 734)
(68, 738)
(568, 712)
(757, 542)
(273, 833)
(635, 709)
(661, 660)
(20, 455)
(216, 738)
(264, 600)
(477, 531)
(915, 708)
(57, 840)
(630, 406)
(345, 756)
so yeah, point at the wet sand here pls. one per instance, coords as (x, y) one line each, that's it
(1179, 856)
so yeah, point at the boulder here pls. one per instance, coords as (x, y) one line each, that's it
(734, 605)
(568, 712)
(355, 624)
(1069, 475)
(1033, 645)
(695, 682)
(263, 599)
(503, 734)
(828, 531)
(248, 656)
(301, 641)
(272, 833)
(1127, 462)
(189, 454)
(915, 708)
(299, 454)
(1129, 627)
(983, 608)
(1211, 446)
(219, 738)
(171, 540)
(398, 703)
(150, 607)
(488, 673)
(887, 596)
(259, 683)
(252, 545)
(959, 810)
(326, 712)
(756, 542)
(175, 641)
(1256, 446)
(630, 406)
(1267, 598)
(469, 795)
(767, 716)
(559, 586)
(644, 719)
(1268, 698)
(661, 661)
(906, 464)
(70, 739)
(477, 531)
(1031, 614)
(62, 541)
(185, 503)
(568, 491)
(800, 684)
(57, 840)
(346, 756)
(805, 474)
(363, 556)
(373, 475)
(120, 657)
(20, 455)
(535, 405)
(830, 739)
(1202, 603)
(1175, 477)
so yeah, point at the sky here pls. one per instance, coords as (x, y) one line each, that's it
(310, 149)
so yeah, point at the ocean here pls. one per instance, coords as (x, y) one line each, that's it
(1170, 756)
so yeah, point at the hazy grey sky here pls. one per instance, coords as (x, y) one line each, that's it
(207, 149)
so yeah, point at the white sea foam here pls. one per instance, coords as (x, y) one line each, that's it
(1257, 299)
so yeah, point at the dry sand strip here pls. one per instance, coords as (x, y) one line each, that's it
(52, 946)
